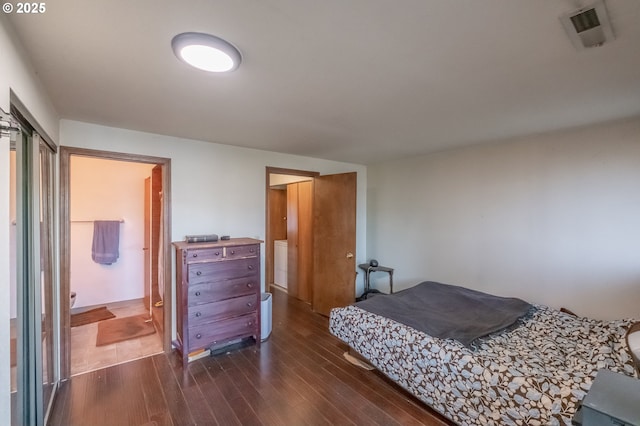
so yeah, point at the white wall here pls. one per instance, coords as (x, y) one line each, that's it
(215, 188)
(18, 75)
(553, 219)
(107, 190)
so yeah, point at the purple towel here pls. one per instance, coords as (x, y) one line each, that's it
(106, 238)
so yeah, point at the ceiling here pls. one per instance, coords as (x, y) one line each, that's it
(359, 81)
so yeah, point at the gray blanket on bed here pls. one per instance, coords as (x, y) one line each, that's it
(447, 311)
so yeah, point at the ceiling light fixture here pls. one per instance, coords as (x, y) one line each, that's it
(206, 52)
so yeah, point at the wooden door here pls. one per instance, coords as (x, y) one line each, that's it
(152, 210)
(147, 244)
(300, 240)
(334, 242)
(305, 241)
(155, 244)
(292, 240)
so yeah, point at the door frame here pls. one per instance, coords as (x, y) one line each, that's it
(268, 249)
(30, 141)
(65, 242)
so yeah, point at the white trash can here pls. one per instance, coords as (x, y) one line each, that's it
(265, 316)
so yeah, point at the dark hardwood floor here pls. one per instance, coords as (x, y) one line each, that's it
(297, 377)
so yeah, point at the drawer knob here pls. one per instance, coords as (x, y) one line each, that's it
(195, 254)
(249, 323)
(249, 304)
(252, 250)
(233, 252)
(199, 273)
(250, 285)
(198, 314)
(251, 267)
(217, 253)
(197, 293)
(198, 336)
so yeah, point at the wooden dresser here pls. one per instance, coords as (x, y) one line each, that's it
(218, 293)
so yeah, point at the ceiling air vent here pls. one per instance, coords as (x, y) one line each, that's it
(588, 26)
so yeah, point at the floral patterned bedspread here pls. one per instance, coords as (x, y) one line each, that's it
(532, 374)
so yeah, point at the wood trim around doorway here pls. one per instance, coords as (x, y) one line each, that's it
(65, 242)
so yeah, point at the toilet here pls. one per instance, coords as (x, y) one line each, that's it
(73, 298)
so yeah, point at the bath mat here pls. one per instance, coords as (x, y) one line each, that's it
(120, 329)
(92, 315)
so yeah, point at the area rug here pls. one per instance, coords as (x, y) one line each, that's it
(120, 329)
(92, 315)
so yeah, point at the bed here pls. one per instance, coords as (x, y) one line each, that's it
(533, 371)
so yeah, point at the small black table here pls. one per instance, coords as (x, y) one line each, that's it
(368, 269)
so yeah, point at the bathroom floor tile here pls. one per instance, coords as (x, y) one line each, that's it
(86, 356)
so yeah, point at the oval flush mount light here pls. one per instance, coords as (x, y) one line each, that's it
(206, 52)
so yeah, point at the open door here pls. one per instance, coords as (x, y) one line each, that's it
(300, 240)
(147, 244)
(292, 240)
(152, 231)
(334, 241)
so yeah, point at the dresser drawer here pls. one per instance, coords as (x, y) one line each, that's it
(209, 312)
(216, 271)
(210, 292)
(238, 252)
(204, 255)
(204, 335)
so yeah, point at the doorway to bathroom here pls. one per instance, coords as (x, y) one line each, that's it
(115, 262)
